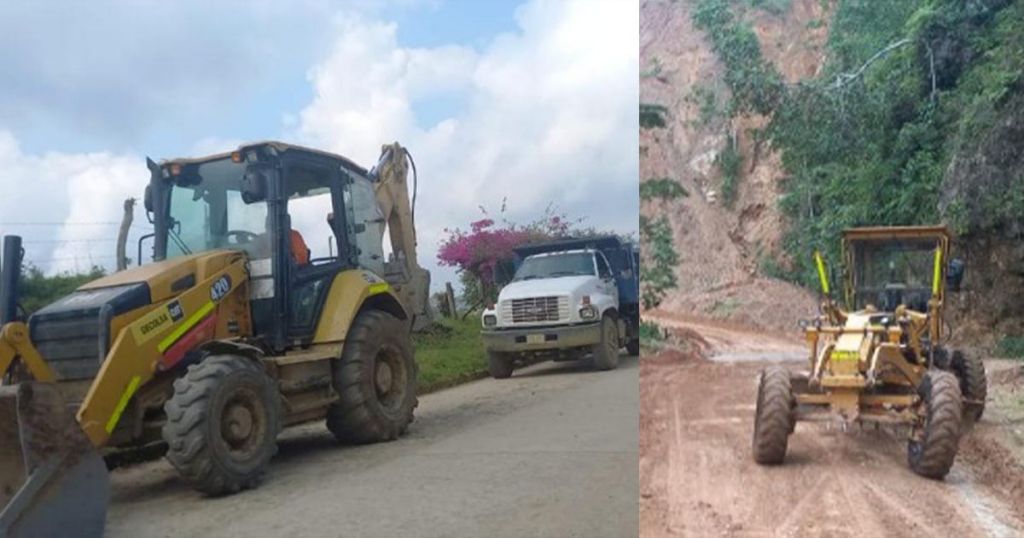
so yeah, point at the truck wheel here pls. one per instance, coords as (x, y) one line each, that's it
(222, 424)
(933, 443)
(633, 347)
(970, 371)
(606, 352)
(376, 380)
(499, 365)
(773, 417)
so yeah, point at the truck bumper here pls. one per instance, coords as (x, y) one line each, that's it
(542, 338)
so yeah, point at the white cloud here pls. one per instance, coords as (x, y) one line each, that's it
(65, 202)
(547, 114)
(550, 115)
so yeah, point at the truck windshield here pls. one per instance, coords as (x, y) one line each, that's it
(556, 265)
(207, 212)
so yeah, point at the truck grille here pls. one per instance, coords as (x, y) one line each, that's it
(535, 309)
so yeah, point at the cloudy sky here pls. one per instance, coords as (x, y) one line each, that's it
(529, 100)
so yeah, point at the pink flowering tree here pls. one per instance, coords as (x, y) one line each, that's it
(484, 253)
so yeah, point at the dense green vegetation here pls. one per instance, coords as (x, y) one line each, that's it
(906, 87)
(1011, 347)
(658, 267)
(36, 290)
(652, 116)
(662, 188)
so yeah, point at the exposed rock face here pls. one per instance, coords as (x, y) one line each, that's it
(720, 245)
(984, 178)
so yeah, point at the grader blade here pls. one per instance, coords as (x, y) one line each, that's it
(53, 482)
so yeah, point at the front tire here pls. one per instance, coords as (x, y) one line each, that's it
(933, 444)
(222, 424)
(499, 365)
(606, 352)
(375, 378)
(773, 417)
(970, 372)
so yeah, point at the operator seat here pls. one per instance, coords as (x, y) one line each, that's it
(300, 251)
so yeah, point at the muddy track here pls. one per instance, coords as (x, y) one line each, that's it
(698, 478)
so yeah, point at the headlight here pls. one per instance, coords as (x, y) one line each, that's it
(490, 320)
(588, 312)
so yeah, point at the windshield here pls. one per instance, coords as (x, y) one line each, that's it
(555, 265)
(208, 212)
(888, 273)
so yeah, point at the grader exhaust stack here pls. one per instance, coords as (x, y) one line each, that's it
(51, 477)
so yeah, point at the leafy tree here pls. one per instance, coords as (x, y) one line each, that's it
(36, 289)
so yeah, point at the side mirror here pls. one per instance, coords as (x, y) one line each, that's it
(955, 274)
(147, 199)
(254, 186)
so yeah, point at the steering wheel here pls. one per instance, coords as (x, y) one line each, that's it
(241, 237)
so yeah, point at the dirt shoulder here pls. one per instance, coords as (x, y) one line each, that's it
(697, 477)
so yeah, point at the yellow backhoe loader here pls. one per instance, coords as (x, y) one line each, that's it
(232, 332)
(882, 358)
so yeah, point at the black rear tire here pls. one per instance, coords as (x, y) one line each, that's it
(375, 378)
(773, 417)
(606, 352)
(933, 444)
(500, 365)
(633, 347)
(222, 424)
(970, 372)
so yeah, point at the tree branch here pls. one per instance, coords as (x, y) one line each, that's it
(843, 79)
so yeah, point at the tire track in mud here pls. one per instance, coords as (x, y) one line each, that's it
(699, 479)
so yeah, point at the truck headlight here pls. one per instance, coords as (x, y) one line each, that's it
(490, 320)
(588, 312)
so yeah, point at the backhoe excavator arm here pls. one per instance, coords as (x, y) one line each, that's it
(392, 193)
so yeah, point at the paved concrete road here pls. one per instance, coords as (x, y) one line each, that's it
(550, 452)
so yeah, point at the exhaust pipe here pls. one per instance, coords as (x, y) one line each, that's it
(10, 272)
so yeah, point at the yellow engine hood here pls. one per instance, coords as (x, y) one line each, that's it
(169, 277)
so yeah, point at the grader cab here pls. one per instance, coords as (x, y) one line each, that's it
(881, 358)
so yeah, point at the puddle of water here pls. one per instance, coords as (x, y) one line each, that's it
(759, 356)
(986, 510)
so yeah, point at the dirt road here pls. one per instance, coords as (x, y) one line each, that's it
(550, 452)
(698, 477)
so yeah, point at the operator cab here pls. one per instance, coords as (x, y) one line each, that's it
(272, 201)
(893, 266)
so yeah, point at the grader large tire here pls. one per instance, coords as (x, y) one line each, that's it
(773, 417)
(222, 424)
(606, 352)
(933, 445)
(499, 364)
(970, 372)
(376, 379)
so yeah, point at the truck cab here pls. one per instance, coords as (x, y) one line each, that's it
(568, 300)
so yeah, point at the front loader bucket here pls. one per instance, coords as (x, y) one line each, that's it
(53, 482)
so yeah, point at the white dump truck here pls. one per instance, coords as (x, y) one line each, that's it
(568, 300)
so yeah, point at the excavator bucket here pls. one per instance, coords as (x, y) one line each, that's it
(53, 482)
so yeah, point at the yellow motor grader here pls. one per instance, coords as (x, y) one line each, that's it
(231, 333)
(882, 358)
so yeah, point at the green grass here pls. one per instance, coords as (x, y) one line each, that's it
(664, 188)
(451, 354)
(1011, 347)
(651, 334)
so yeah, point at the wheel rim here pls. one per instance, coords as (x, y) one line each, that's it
(390, 378)
(242, 423)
